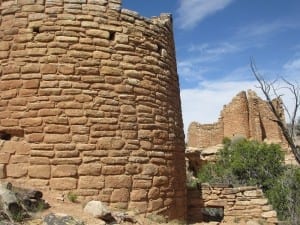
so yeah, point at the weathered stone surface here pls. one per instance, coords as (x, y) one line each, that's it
(118, 181)
(64, 171)
(2, 171)
(96, 208)
(120, 195)
(63, 183)
(17, 170)
(246, 115)
(90, 96)
(39, 171)
(91, 182)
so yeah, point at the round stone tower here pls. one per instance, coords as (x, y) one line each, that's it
(89, 103)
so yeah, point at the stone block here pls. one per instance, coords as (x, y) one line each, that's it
(91, 182)
(4, 157)
(39, 161)
(20, 147)
(57, 138)
(98, 33)
(120, 195)
(17, 170)
(2, 171)
(48, 68)
(66, 69)
(155, 205)
(30, 122)
(109, 143)
(39, 171)
(138, 195)
(118, 181)
(154, 193)
(113, 170)
(63, 183)
(92, 169)
(10, 84)
(19, 159)
(57, 129)
(64, 171)
(269, 214)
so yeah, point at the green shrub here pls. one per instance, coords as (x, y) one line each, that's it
(72, 197)
(243, 162)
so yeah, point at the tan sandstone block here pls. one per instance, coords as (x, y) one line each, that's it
(2, 171)
(98, 33)
(269, 214)
(113, 170)
(63, 183)
(155, 204)
(4, 157)
(120, 195)
(57, 129)
(39, 171)
(138, 195)
(19, 159)
(92, 169)
(57, 138)
(48, 68)
(118, 181)
(10, 84)
(153, 193)
(16, 170)
(19, 147)
(109, 143)
(64, 171)
(30, 122)
(91, 182)
(30, 84)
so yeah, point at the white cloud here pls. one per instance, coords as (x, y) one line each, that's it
(192, 12)
(293, 65)
(261, 30)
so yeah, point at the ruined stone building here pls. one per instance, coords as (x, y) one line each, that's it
(89, 103)
(246, 115)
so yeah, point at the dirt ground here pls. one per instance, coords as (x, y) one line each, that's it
(76, 210)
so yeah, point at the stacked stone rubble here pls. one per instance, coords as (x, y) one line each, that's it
(91, 92)
(240, 204)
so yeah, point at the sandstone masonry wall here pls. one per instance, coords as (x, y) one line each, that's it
(240, 204)
(246, 115)
(90, 103)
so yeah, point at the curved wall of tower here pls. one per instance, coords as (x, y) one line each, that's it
(90, 103)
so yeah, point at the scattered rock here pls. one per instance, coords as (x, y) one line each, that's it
(97, 209)
(60, 219)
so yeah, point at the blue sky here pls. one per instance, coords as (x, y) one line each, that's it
(215, 40)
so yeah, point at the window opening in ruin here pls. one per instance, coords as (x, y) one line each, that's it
(213, 214)
(5, 136)
(36, 29)
(159, 49)
(112, 35)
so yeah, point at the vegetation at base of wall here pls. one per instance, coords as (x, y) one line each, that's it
(244, 162)
(72, 197)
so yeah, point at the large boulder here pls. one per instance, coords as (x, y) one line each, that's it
(97, 209)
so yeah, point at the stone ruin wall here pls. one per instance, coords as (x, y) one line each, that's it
(90, 103)
(246, 115)
(205, 134)
(240, 205)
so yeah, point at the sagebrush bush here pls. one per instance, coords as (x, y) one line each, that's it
(244, 162)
